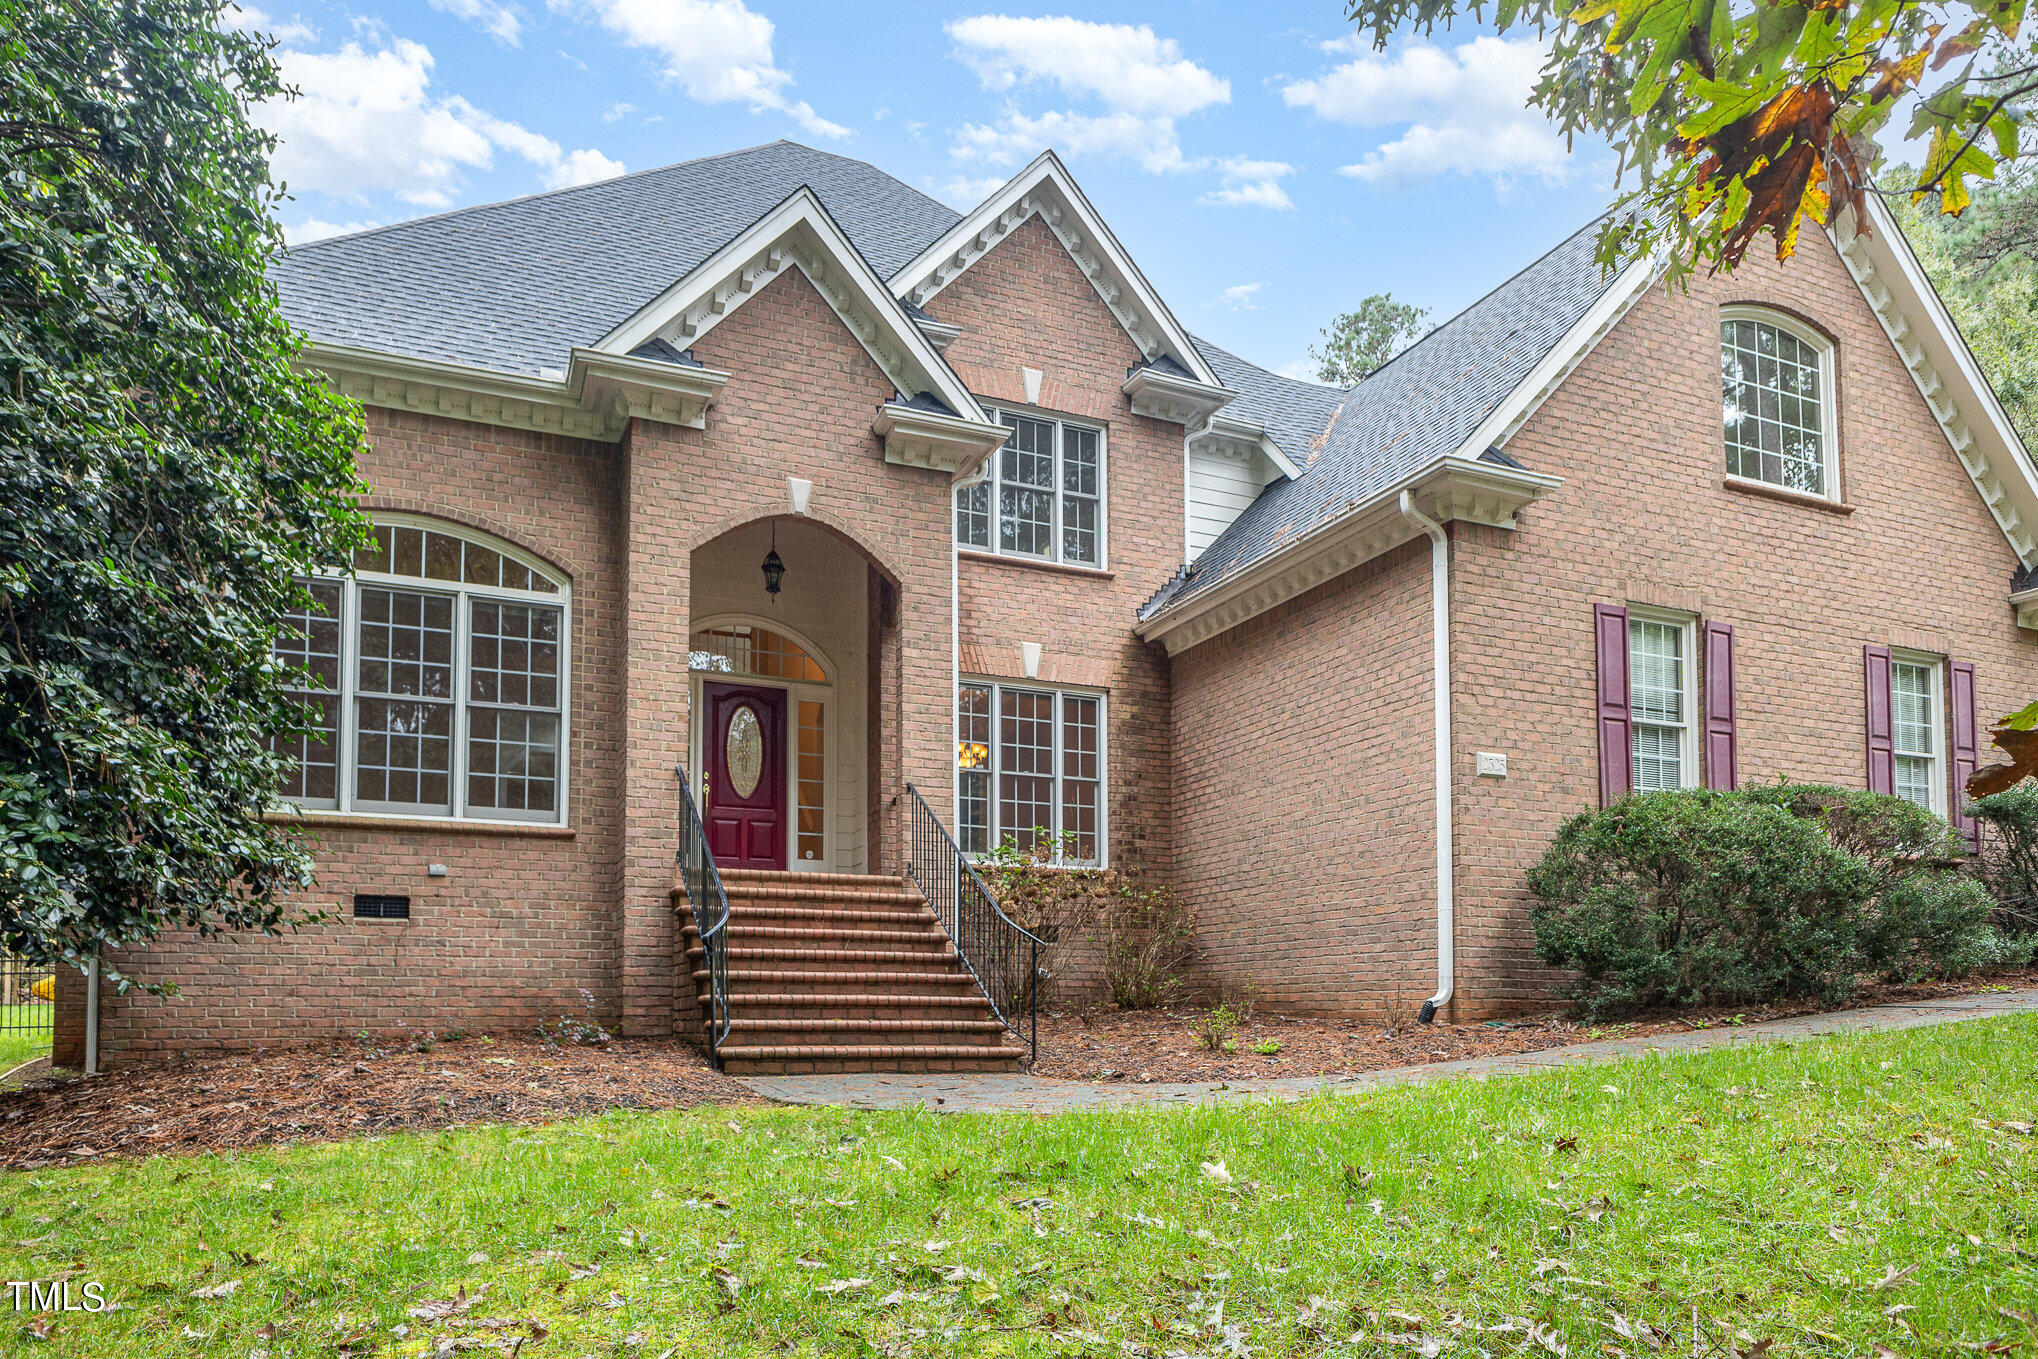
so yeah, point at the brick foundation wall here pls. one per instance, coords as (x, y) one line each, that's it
(1643, 518)
(1303, 800)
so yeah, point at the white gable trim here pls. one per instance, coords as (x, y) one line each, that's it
(1046, 190)
(1946, 374)
(800, 234)
(1242, 438)
(1599, 319)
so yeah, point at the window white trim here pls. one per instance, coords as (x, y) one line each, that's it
(994, 768)
(993, 471)
(1934, 671)
(345, 802)
(1829, 422)
(1687, 731)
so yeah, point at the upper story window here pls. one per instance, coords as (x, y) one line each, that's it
(1776, 381)
(436, 675)
(1042, 497)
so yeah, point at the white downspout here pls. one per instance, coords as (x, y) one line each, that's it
(92, 1016)
(1440, 649)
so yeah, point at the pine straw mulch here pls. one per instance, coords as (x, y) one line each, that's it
(221, 1101)
(1160, 1045)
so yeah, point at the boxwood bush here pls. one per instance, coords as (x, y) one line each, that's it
(2008, 865)
(1702, 897)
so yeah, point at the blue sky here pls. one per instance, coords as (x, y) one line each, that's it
(1266, 168)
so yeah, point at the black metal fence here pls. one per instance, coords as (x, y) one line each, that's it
(1002, 955)
(27, 1011)
(710, 905)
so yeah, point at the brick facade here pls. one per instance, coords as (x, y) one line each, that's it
(1278, 775)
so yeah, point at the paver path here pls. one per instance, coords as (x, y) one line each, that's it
(965, 1092)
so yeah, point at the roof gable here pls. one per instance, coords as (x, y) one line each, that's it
(513, 287)
(1945, 371)
(1046, 189)
(799, 234)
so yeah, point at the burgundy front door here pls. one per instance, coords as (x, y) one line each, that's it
(744, 750)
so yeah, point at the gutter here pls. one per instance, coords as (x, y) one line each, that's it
(1440, 646)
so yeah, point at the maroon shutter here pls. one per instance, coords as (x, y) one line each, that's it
(1966, 748)
(1881, 735)
(1719, 705)
(1610, 625)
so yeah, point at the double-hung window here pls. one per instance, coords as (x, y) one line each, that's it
(1917, 717)
(1041, 497)
(436, 682)
(1030, 768)
(1662, 737)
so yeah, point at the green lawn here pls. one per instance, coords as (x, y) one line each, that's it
(1829, 1197)
(18, 1044)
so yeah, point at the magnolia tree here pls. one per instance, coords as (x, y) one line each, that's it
(1732, 118)
(167, 477)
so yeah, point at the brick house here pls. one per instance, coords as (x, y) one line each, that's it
(1331, 664)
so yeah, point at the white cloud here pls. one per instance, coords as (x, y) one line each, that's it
(1239, 296)
(965, 192)
(503, 22)
(718, 51)
(1464, 111)
(249, 19)
(1302, 370)
(369, 122)
(585, 166)
(315, 229)
(617, 111)
(1142, 81)
(1251, 184)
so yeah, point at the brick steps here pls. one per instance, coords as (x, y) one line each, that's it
(838, 972)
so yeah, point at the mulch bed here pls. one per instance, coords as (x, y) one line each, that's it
(220, 1101)
(1160, 1045)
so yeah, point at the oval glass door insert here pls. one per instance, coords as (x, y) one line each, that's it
(744, 748)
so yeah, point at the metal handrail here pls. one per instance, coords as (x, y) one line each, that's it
(710, 907)
(990, 943)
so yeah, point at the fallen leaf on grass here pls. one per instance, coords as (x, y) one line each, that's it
(1892, 1276)
(218, 1290)
(843, 1286)
(1216, 1171)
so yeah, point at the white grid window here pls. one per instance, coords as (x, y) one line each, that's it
(1659, 705)
(445, 666)
(1916, 721)
(1776, 404)
(1030, 765)
(1047, 484)
(310, 644)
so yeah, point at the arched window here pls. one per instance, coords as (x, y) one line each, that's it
(437, 679)
(1776, 380)
(746, 649)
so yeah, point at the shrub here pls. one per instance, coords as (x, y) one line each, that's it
(1695, 897)
(2008, 862)
(1925, 912)
(1146, 933)
(1701, 897)
(1214, 1028)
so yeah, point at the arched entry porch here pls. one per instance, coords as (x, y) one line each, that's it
(789, 741)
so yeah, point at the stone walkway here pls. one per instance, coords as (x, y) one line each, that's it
(966, 1093)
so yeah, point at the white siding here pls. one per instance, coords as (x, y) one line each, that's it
(1219, 490)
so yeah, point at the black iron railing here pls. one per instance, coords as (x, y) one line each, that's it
(1003, 956)
(710, 906)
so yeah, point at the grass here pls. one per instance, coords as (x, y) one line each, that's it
(24, 1033)
(1829, 1197)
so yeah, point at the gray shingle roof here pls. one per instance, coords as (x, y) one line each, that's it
(514, 286)
(1423, 404)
